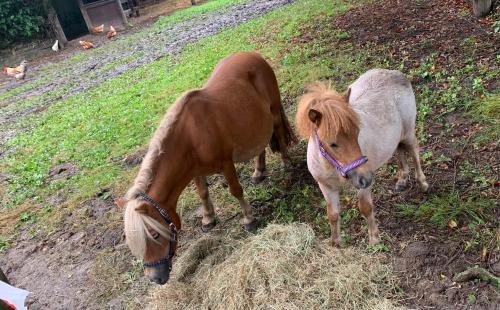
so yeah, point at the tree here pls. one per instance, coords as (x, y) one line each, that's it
(481, 7)
(21, 20)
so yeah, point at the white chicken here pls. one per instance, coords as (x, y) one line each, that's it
(55, 47)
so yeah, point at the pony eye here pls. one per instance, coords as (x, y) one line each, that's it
(155, 235)
(333, 145)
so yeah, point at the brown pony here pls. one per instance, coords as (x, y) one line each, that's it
(231, 119)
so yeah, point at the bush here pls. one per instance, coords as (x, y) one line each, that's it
(21, 20)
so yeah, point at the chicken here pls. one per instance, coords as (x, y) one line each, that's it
(20, 76)
(55, 47)
(15, 70)
(98, 29)
(86, 44)
(111, 32)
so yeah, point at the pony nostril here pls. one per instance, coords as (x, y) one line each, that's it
(160, 280)
(364, 182)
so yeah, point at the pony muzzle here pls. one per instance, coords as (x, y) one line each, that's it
(159, 274)
(359, 179)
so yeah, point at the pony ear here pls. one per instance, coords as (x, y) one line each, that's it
(142, 208)
(121, 202)
(347, 94)
(315, 116)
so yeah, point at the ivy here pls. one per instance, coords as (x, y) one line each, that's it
(21, 20)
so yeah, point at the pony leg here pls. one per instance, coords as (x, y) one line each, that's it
(283, 134)
(365, 206)
(208, 220)
(333, 210)
(403, 170)
(260, 166)
(419, 174)
(237, 191)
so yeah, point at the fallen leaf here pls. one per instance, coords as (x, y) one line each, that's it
(452, 224)
(484, 253)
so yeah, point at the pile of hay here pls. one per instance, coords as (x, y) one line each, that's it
(282, 267)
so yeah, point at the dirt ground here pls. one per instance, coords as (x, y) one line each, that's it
(426, 258)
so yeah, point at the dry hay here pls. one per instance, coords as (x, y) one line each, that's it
(283, 267)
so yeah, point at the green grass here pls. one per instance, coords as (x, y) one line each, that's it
(487, 111)
(440, 210)
(95, 129)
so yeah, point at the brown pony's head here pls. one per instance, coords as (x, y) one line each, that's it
(337, 125)
(149, 238)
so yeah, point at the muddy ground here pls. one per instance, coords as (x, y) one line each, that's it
(74, 77)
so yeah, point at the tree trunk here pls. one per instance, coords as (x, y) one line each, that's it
(481, 7)
(55, 26)
(193, 2)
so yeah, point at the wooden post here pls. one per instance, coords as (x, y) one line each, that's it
(86, 17)
(124, 18)
(481, 7)
(193, 2)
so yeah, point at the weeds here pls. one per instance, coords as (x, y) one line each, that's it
(440, 210)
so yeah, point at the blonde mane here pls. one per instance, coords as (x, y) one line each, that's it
(337, 115)
(136, 223)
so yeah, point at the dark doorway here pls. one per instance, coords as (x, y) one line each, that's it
(71, 18)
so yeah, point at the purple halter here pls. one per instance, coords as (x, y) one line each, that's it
(343, 170)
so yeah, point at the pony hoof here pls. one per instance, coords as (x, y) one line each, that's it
(251, 227)
(258, 180)
(424, 187)
(400, 188)
(374, 240)
(208, 227)
(336, 243)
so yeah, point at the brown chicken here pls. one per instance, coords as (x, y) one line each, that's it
(86, 44)
(13, 71)
(111, 32)
(98, 29)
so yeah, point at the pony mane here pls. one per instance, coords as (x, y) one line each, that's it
(137, 227)
(337, 115)
(136, 223)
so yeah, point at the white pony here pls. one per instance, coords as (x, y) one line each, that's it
(374, 118)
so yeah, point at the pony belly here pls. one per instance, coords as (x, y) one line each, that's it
(253, 141)
(247, 154)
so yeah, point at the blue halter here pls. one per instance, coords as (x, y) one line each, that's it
(173, 239)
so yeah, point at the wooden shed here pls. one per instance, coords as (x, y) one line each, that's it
(71, 19)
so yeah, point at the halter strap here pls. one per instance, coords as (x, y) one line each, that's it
(157, 206)
(166, 217)
(342, 169)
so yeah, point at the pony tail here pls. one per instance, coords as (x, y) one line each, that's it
(315, 91)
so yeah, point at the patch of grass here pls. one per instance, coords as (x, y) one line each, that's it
(441, 209)
(28, 217)
(3, 243)
(487, 111)
(95, 129)
(471, 299)
(182, 15)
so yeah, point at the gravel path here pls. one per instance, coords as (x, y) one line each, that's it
(60, 83)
